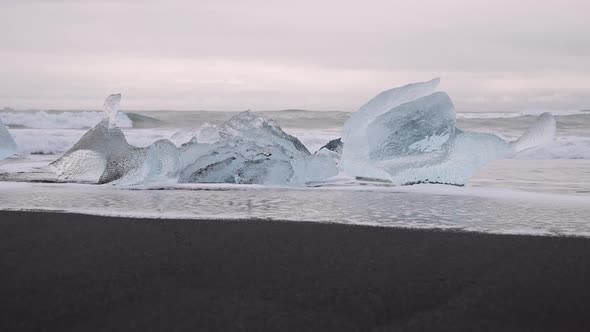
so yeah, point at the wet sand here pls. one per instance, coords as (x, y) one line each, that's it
(68, 272)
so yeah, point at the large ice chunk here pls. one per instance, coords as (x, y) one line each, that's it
(7, 145)
(354, 134)
(103, 155)
(417, 141)
(255, 150)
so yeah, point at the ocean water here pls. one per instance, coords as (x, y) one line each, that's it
(542, 191)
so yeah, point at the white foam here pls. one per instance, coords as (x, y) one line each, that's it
(50, 141)
(438, 207)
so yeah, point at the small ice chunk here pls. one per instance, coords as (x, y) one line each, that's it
(8, 146)
(111, 107)
(334, 146)
(332, 150)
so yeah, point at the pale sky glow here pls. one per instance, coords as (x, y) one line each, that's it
(320, 55)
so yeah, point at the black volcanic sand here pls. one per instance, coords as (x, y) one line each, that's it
(67, 272)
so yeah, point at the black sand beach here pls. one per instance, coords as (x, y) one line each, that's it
(68, 272)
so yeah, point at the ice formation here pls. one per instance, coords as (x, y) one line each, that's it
(246, 149)
(252, 149)
(103, 155)
(111, 108)
(334, 146)
(408, 135)
(405, 135)
(332, 150)
(355, 158)
(7, 144)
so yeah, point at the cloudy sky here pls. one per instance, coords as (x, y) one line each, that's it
(495, 55)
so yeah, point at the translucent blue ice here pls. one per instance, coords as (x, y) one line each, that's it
(7, 145)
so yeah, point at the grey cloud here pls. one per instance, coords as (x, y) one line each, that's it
(356, 41)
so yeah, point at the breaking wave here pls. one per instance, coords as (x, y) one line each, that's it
(560, 148)
(59, 120)
(496, 115)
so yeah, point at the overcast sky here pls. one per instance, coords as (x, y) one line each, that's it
(321, 55)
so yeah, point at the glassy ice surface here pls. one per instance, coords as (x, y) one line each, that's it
(111, 108)
(7, 144)
(355, 154)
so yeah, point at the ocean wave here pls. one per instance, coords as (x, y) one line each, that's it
(48, 142)
(496, 115)
(560, 148)
(59, 120)
(58, 141)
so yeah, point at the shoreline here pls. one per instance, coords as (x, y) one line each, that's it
(72, 272)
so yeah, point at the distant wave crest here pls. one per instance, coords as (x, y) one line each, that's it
(500, 115)
(560, 148)
(61, 120)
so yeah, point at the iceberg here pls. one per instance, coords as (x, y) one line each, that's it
(408, 135)
(103, 155)
(8, 146)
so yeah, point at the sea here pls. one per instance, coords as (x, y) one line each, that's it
(543, 191)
